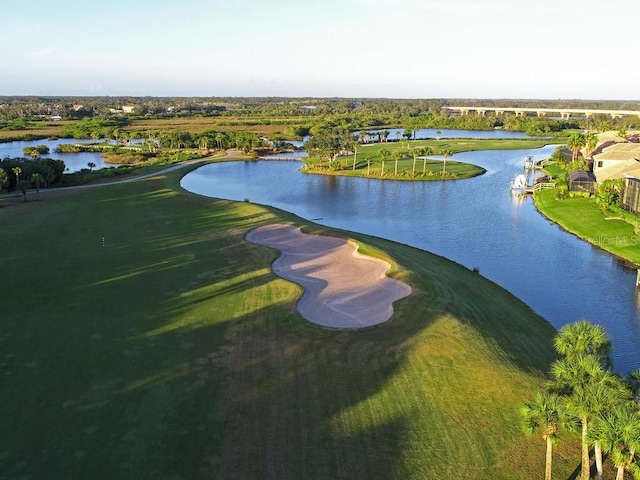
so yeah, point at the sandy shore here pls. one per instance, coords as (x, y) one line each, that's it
(343, 289)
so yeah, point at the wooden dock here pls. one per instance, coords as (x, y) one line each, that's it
(531, 190)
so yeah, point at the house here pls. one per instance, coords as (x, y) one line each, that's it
(617, 161)
(128, 108)
(631, 195)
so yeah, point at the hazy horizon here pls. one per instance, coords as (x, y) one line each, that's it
(461, 49)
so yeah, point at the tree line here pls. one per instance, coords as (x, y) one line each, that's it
(21, 174)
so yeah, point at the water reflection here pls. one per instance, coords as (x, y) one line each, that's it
(73, 161)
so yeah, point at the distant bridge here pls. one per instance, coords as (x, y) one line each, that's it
(281, 158)
(565, 113)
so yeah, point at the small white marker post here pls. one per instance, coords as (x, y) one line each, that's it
(102, 242)
(638, 278)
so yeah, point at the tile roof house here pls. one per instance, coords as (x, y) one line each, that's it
(617, 161)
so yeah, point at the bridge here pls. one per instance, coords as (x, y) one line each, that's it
(565, 113)
(281, 158)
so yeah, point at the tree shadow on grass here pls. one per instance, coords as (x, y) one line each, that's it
(201, 368)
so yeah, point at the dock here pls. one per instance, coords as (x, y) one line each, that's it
(532, 189)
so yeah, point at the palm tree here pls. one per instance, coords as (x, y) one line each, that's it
(588, 386)
(415, 153)
(438, 133)
(575, 142)
(383, 155)
(586, 348)
(590, 143)
(426, 152)
(583, 338)
(37, 180)
(91, 166)
(543, 415)
(618, 430)
(368, 165)
(445, 154)
(17, 171)
(396, 156)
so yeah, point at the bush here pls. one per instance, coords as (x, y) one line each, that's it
(609, 193)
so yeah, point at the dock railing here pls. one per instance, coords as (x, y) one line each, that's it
(543, 186)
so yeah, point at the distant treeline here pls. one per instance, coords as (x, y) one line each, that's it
(102, 115)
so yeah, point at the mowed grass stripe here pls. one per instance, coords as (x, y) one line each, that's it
(175, 352)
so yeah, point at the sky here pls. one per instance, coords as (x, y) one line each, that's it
(547, 49)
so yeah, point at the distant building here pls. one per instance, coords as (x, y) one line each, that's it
(631, 195)
(617, 161)
(128, 108)
(308, 107)
(56, 118)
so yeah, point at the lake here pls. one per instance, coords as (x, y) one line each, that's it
(73, 161)
(475, 222)
(396, 133)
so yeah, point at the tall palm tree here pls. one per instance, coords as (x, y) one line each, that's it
(384, 153)
(619, 433)
(368, 165)
(17, 171)
(445, 154)
(543, 415)
(587, 386)
(396, 156)
(584, 338)
(415, 153)
(575, 142)
(426, 152)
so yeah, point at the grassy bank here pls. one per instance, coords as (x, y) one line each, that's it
(170, 350)
(583, 218)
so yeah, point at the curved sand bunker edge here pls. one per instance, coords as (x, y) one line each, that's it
(343, 288)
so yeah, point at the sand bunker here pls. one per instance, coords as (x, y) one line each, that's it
(343, 289)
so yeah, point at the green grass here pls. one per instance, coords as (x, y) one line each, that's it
(582, 217)
(173, 352)
(432, 170)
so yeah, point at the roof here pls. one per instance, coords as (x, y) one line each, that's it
(581, 176)
(620, 151)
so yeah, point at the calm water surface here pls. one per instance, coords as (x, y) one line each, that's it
(73, 161)
(475, 222)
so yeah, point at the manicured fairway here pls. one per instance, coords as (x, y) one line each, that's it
(173, 352)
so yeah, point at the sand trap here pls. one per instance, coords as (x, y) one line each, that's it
(343, 289)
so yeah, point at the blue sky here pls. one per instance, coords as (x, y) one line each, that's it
(346, 48)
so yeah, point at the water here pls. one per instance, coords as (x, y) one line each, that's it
(73, 161)
(475, 222)
(396, 133)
